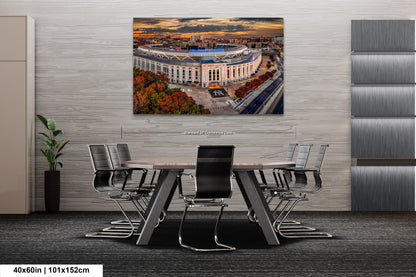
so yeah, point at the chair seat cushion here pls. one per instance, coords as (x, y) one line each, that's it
(143, 191)
(269, 187)
(133, 185)
(263, 186)
(278, 190)
(119, 197)
(151, 187)
(105, 189)
(292, 197)
(202, 202)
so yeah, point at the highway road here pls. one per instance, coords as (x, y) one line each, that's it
(279, 107)
(256, 103)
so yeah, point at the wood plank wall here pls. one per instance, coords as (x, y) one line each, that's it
(84, 81)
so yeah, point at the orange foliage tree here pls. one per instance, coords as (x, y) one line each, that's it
(243, 90)
(151, 95)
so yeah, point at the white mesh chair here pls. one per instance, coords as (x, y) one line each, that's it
(296, 194)
(266, 187)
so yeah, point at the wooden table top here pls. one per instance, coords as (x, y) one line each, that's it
(190, 162)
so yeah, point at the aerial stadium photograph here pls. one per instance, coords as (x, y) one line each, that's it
(208, 66)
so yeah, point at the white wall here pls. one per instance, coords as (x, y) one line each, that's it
(84, 81)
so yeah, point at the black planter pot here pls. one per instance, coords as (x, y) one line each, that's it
(52, 190)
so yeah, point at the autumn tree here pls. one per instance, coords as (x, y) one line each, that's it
(248, 86)
(152, 95)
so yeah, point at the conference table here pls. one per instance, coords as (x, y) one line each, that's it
(244, 171)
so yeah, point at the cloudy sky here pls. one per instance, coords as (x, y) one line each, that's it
(208, 27)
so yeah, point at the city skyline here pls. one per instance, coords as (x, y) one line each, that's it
(210, 28)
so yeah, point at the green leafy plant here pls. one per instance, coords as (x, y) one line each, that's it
(53, 146)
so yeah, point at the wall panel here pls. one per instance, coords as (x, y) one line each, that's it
(383, 138)
(373, 100)
(383, 188)
(382, 35)
(383, 68)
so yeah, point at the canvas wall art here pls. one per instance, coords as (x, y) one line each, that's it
(208, 66)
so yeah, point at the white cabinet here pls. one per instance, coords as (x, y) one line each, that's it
(17, 111)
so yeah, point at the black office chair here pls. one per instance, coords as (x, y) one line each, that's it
(124, 155)
(213, 183)
(297, 194)
(107, 180)
(123, 152)
(118, 154)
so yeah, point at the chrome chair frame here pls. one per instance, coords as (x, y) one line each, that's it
(224, 247)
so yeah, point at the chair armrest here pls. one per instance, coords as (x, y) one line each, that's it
(294, 169)
(302, 190)
(187, 174)
(131, 168)
(109, 170)
(191, 176)
(281, 168)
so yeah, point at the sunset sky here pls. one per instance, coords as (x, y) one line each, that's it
(208, 27)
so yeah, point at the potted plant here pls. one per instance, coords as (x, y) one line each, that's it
(52, 153)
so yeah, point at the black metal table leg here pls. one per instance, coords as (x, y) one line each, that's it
(254, 198)
(161, 195)
(172, 193)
